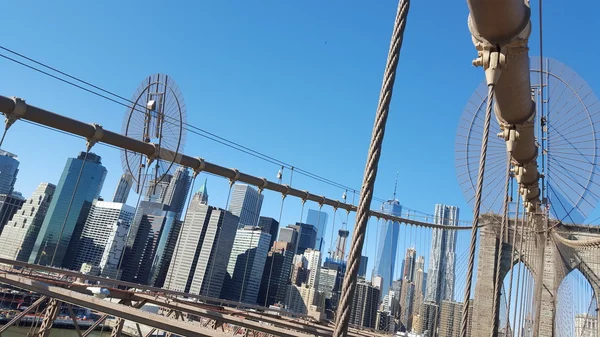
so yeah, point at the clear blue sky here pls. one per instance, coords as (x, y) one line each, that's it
(298, 80)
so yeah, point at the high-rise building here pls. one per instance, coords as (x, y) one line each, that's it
(440, 275)
(246, 265)
(20, 233)
(104, 234)
(314, 267)
(586, 325)
(340, 247)
(419, 286)
(177, 190)
(319, 220)
(385, 258)
(269, 225)
(203, 249)
(151, 241)
(365, 304)
(409, 264)
(203, 193)
(307, 236)
(427, 320)
(450, 319)
(288, 235)
(123, 188)
(246, 203)
(59, 227)
(9, 205)
(276, 275)
(406, 300)
(9, 168)
(362, 267)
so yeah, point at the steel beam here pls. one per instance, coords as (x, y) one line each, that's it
(49, 316)
(117, 310)
(22, 314)
(17, 108)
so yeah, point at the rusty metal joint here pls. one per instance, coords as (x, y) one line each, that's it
(236, 176)
(96, 137)
(155, 155)
(200, 167)
(18, 111)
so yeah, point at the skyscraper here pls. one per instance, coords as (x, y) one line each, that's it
(177, 191)
(269, 225)
(385, 258)
(409, 264)
(307, 236)
(202, 194)
(106, 222)
(364, 306)
(340, 247)
(9, 167)
(246, 203)
(20, 234)
(440, 274)
(58, 226)
(276, 276)
(246, 265)
(319, 220)
(9, 205)
(203, 249)
(123, 188)
(362, 267)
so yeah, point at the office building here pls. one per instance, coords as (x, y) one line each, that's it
(246, 265)
(104, 234)
(385, 256)
(362, 267)
(319, 220)
(586, 325)
(313, 258)
(151, 241)
(170, 190)
(340, 246)
(440, 275)
(276, 275)
(9, 168)
(246, 203)
(427, 320)
(9, 205)
(123, 188)
(270, 226)
(59, 227)
(203, 249)
(365, 305)
(288, 235)
(307, 236)
(203, 193)
(450, 319)
(20, 233)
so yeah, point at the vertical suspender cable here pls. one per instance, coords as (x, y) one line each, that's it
(366, 195)
(477, 209)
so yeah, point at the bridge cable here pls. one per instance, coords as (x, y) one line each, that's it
(503, 228)
(477, 209)
(366, 195)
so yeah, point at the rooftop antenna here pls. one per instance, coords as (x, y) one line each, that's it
(395, 185)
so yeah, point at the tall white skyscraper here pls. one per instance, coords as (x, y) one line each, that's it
(106, 223)
(314, 267)
(20, 233)
(123, 188)
(246, 265)
(9, 167)
(203, 249)
(246, 203)
(440, 274)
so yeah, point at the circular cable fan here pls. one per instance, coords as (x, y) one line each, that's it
(157, 116)
(566, 134)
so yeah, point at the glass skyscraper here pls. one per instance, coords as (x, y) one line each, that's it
(389, 233)
(50, 239)
(245, 203)
(9, 167)
(319, 220)
(440, 274)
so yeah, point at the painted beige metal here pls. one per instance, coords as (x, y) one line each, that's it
(504, 26)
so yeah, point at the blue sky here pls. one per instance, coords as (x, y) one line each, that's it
(297, 80)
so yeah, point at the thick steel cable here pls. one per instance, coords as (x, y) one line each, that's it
(477, 210)
(366, 195)
(62, 228)
(503, 227)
